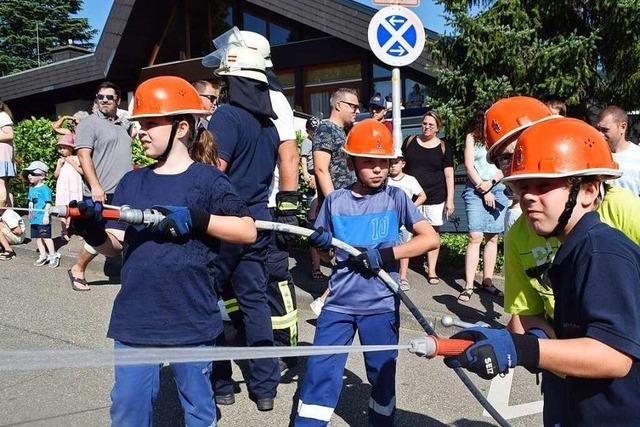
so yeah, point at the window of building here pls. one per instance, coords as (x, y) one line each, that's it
(321, 82)
(380, 72)
(278, 34)
(333, 74)
(229, 18)
(415, 93)
(253, 23)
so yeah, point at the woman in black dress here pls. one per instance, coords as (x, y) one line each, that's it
(430, 160)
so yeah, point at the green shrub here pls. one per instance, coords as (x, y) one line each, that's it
(33, 139)
(453, 247)
(137, 153)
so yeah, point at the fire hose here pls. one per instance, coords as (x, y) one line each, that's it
(429, 346)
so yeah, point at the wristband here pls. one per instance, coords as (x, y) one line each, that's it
(528, 350)
(199, 220)
(387, 256)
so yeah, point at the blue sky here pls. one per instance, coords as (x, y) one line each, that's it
(98, 10)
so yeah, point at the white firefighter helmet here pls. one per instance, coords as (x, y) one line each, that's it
(241, 61)
(260, 43)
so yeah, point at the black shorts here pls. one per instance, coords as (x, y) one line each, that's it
(40, 231)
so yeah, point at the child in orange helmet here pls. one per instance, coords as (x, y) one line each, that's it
(558, 170)
(168, 297)
(368, 214)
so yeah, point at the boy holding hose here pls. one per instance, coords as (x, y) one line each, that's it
(368, 215)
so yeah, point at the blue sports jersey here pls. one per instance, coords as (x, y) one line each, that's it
(370, 221)
(250, 148)
(39, 196)
(596, 283)
(168, 292)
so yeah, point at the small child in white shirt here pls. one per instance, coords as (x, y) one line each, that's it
(410, 185)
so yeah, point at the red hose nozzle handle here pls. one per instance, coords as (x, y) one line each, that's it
(431, 346)
(66, 211)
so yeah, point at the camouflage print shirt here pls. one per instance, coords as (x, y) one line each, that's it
(331, 138)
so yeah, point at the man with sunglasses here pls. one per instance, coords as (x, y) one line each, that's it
(329, 160)
(103, 146)
(208, 90)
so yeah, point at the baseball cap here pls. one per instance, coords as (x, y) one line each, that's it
(377, 101)
(37, 165)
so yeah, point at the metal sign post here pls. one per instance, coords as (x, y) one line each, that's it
(396, 37)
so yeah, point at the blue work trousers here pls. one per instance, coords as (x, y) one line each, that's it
(323, 378)
(241, 269)
(136, 388)
(554, 396)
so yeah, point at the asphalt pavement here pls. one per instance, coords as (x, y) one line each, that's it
(41, 311)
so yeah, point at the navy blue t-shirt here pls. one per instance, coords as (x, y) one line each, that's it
(250, 148)
(168, 292)
(596, 284)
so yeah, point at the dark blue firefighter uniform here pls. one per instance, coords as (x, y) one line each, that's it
(281, 296)
(249, 146)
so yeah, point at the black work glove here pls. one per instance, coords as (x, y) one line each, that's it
(288, 207)
(90, 223)
(371, 261)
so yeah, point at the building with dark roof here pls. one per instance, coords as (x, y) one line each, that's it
(317, 47)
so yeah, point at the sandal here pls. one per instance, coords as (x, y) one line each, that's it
(488, 287)
(75, 280)
(404, 284)
(7, 255)
(433, 280)
(465, 295)
(318, 275)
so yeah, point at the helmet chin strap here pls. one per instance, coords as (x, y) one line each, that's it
(568, 210)
(172, 135)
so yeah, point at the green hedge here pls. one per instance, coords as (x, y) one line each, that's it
(35, 139)
(453, 247)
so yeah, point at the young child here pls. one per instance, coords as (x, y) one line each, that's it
(40, 198)
(69, 178)
(368, 215)
(558, 171)
(168, 295)
(411, 186)
(12, 231)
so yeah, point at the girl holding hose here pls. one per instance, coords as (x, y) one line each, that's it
(168, 297)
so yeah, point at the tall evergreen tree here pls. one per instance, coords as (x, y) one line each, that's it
(56, 26)
(586, 52)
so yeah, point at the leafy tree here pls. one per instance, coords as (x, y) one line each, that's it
(586, 52)
(56, 26)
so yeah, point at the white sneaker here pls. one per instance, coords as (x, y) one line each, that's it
(316, 306)
(54, 260)
(42, 260)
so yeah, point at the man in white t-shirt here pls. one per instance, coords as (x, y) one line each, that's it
(12, 231)
(410, 185)
(613, 123)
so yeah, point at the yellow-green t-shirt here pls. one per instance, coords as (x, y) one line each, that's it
(525, 250)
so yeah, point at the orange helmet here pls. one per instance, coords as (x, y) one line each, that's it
(370, 138)
(166, 96)
(561, 148)
(506, 118)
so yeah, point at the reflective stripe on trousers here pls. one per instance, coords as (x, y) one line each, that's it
(290, 319)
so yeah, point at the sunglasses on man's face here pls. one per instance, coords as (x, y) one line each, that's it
(101, 96)
(211, 98)
(35, 174)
